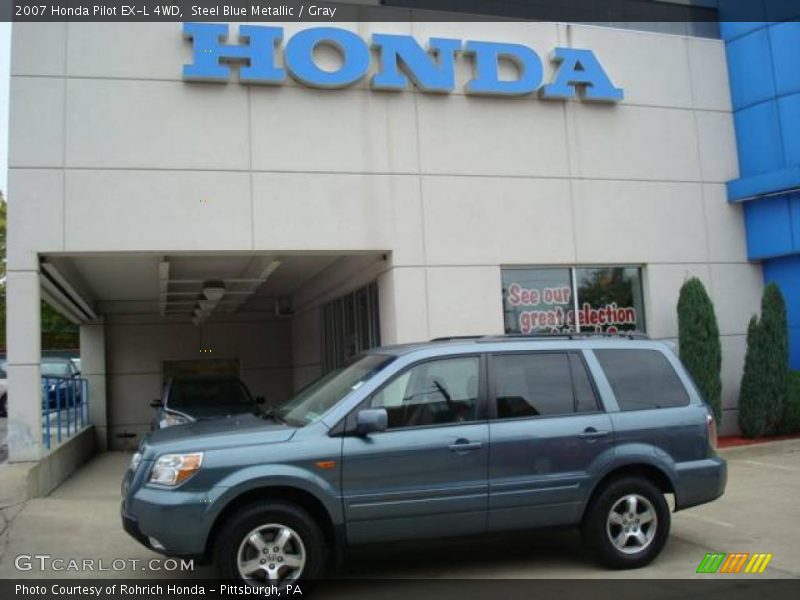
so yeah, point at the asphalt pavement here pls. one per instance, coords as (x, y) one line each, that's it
(759, 513)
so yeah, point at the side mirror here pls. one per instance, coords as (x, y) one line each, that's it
(156, 403)
(371, 420)
(260, 400)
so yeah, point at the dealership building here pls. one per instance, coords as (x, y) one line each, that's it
(268, 199)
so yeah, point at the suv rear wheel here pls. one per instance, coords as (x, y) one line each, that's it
(627, 523)
(272, 543)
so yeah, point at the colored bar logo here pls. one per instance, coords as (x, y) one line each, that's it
(734, 563)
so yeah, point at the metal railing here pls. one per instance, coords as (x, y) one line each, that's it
(65, 407)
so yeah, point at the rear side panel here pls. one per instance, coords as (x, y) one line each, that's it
(672, 439)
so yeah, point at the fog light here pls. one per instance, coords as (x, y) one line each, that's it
(155, 544)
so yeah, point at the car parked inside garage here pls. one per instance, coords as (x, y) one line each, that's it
(198, 397)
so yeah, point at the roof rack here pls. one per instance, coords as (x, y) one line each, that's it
(570, 335)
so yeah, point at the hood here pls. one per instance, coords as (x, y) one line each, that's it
(216, 411)
(224, 432)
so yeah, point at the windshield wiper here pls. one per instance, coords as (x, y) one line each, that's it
(271, 413)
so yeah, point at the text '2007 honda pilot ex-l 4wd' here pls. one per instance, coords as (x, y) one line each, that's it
(446, 438)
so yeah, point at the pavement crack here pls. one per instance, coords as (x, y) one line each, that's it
(7, 517)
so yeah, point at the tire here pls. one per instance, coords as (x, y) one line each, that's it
(623, 541)
(4, 406)
(304, 543)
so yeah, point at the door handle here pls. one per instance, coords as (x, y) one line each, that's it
(464, 445)
(590, 433)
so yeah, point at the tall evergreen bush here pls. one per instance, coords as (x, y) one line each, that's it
(764, 389)
(698, 342)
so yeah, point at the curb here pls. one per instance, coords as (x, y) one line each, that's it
(757, 449)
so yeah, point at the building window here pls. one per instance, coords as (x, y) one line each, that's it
(557, 300)
(350, 326)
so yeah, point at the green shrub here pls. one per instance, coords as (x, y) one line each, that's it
(698, 342)
(791, 418)
(762, 399)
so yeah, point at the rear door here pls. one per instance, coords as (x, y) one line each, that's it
(426, 475)
(547, 427)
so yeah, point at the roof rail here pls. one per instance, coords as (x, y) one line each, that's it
(570, 335)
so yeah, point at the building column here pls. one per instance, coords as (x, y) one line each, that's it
(23, 339)
(403, 305)
(93, 369)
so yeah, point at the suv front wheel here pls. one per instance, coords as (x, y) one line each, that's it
(627, 523)
(271, 543)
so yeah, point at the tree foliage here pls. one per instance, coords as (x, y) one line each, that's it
(791, 419)
(764, 389)
(698, 341)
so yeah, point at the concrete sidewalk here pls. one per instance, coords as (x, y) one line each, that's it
(759, 513)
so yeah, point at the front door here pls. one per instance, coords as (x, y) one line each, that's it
(547, 429)
(426, 475)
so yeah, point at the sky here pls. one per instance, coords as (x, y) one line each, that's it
(5, 64)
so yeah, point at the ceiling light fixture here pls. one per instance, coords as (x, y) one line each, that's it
(213, 290)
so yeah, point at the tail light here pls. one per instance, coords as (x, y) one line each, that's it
(711, 428)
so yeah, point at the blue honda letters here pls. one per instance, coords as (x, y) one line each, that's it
(400, 59)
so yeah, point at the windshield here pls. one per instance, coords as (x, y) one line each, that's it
(322, 395)
(209, 393)
(56, 369)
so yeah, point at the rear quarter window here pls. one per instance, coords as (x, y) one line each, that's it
(642, 379)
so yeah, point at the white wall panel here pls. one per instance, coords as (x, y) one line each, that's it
(137, 124)
(36, 122)
(639, 222)
(463, 135)
(157, 210)
(490, 220)
(302, 129)
(464, 301)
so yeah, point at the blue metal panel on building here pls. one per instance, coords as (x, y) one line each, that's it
(758, 133)
(789, 115)
(765, 91)
(751, 83)
(769, 229)
(783, 40)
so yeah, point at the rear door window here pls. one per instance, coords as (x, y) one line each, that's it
(541, 384)
(642, 379)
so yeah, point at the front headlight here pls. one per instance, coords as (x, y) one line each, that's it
(135, 460)
(169, 419)
(172, 469)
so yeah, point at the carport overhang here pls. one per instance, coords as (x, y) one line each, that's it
(194, 291)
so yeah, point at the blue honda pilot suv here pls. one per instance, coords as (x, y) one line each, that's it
(445, 438)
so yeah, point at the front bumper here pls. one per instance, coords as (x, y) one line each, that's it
(174, 522)
(131, 527)
(700, 481)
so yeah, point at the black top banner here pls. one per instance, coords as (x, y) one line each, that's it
(582, 11)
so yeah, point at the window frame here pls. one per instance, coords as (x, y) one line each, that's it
(348, 424)
(493, 384)
(576, 302)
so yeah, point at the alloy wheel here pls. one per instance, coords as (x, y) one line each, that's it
(632, 523)
(272, 554)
